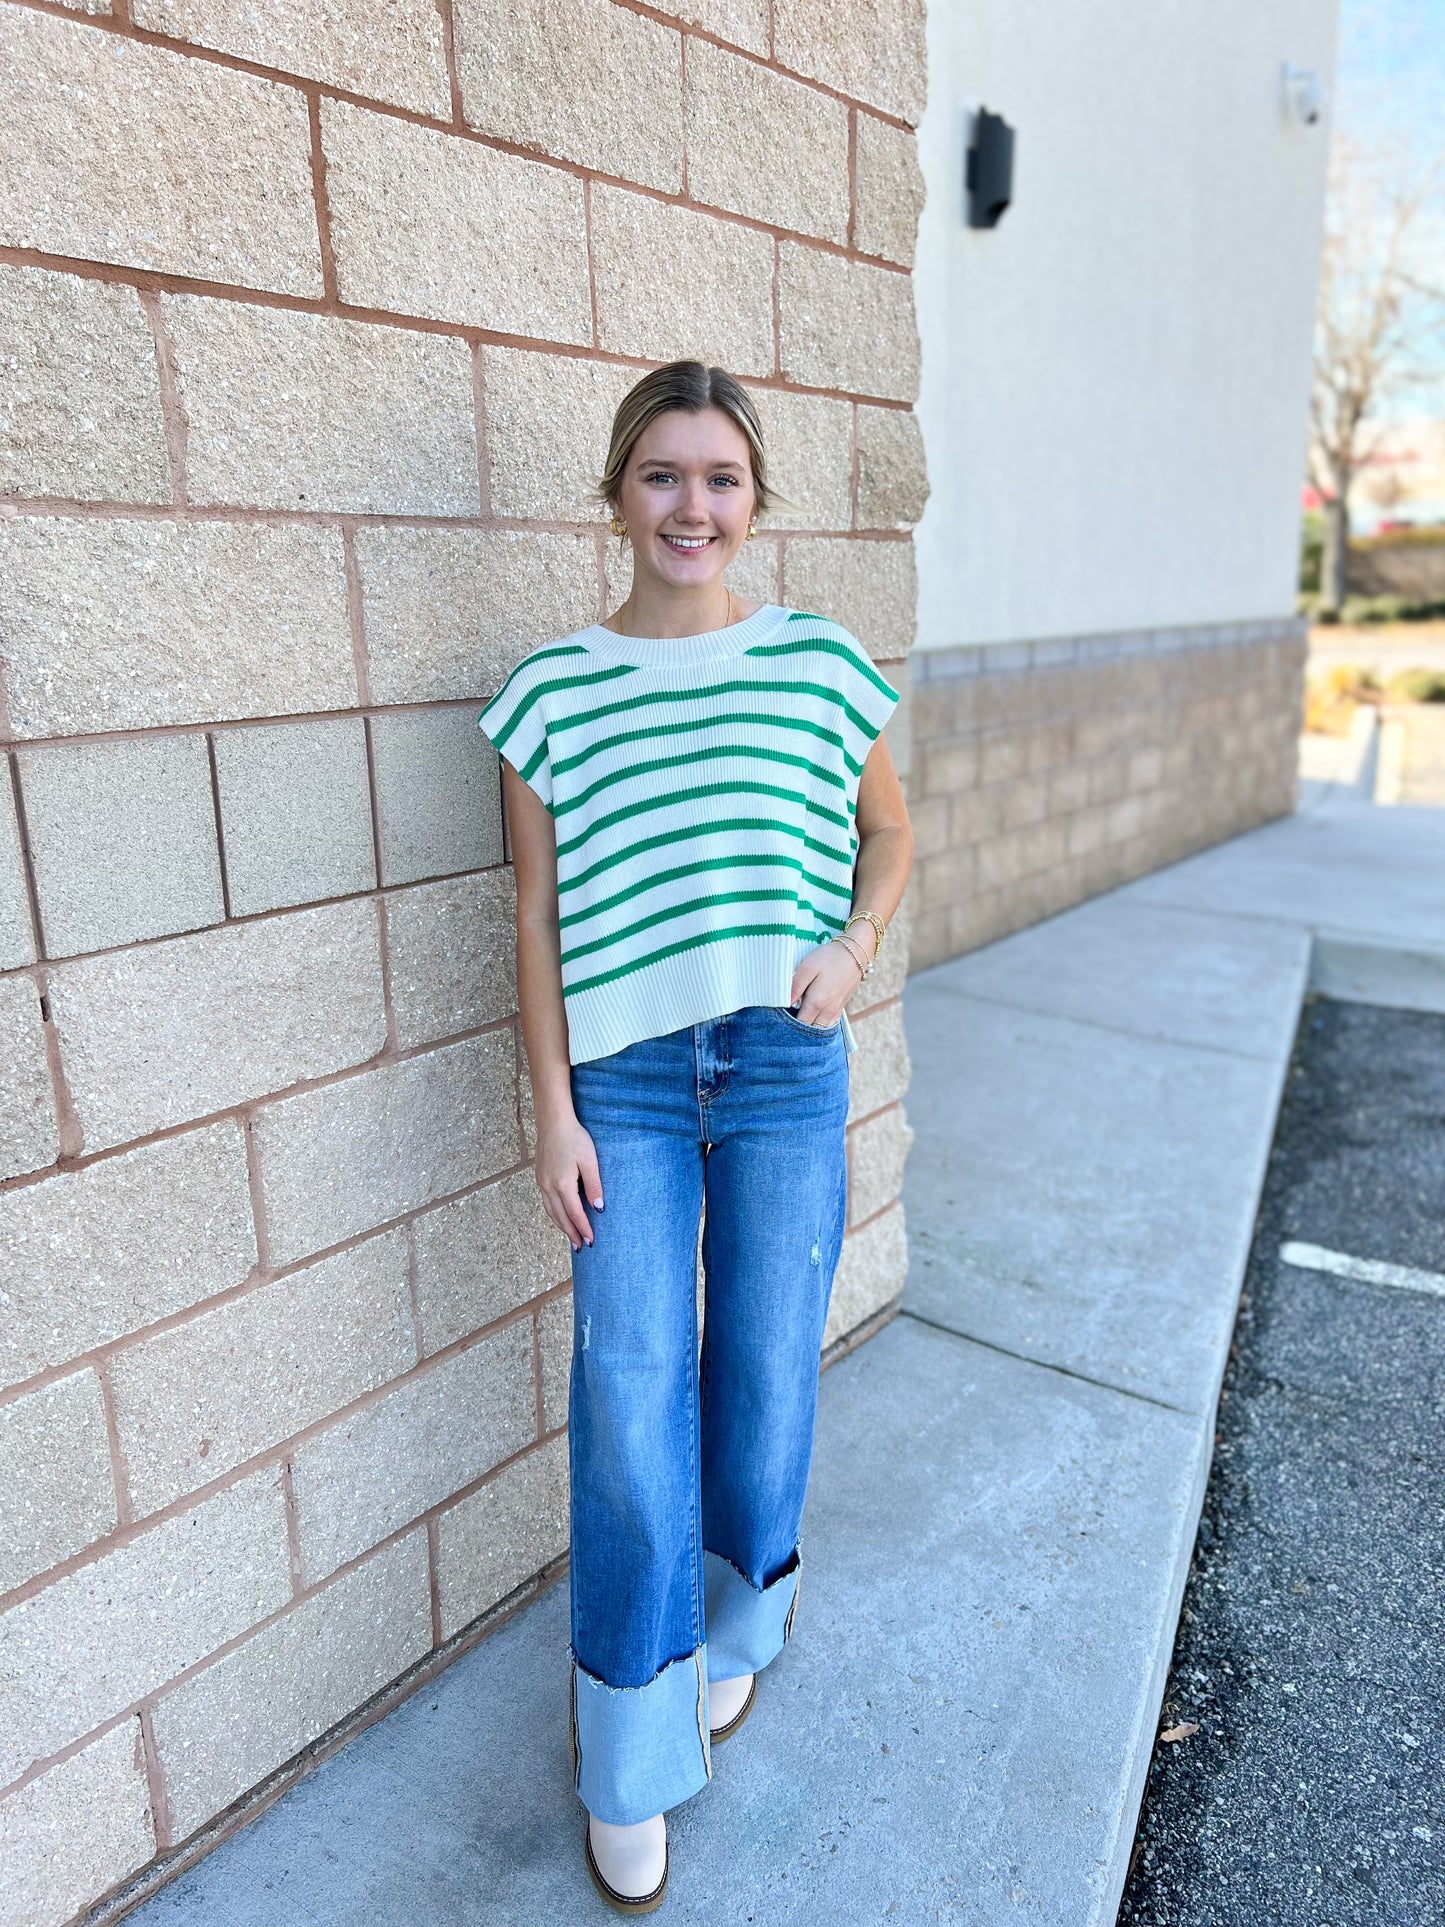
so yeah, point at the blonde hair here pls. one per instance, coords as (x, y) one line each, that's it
(692, 387)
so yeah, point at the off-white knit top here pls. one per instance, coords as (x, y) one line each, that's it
(704, 790)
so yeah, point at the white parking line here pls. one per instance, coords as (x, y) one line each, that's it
(1364, 1271)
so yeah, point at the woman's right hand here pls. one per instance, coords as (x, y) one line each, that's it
(566, 1156)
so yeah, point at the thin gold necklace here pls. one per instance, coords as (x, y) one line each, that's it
(722, 625)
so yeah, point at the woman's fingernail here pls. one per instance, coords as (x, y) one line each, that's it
(598, 1203)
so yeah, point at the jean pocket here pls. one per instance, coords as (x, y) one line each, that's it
(809, 1030)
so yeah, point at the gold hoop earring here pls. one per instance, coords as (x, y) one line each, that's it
(751, 533)
(619, 527)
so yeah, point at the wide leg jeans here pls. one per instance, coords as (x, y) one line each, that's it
(688, 1475)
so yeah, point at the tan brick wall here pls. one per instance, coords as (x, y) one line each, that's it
(312, 320)
(1044, 773)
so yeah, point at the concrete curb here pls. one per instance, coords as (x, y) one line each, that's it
(1337, 902)
(1148, 1588)
(1377, 973)
(1390, 767)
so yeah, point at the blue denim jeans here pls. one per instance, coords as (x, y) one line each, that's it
(688, 1474)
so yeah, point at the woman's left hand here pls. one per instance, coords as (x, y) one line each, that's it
(825, 979)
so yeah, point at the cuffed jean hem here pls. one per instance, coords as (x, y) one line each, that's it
(638, 1750)
(746, 1627)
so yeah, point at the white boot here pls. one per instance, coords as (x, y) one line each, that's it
(632, 1861)
(726, 1698)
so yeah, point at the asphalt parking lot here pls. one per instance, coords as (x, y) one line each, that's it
(1310, 1656)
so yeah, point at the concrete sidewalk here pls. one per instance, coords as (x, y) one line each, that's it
(1007, 1477)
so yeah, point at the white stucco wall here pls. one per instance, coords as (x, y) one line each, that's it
(1115, 379)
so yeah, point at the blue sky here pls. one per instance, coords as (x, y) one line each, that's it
(1390, 84)
(1391, 71)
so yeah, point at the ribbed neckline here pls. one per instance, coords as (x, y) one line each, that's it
(665, 651)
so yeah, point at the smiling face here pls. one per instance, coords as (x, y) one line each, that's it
(687, 497)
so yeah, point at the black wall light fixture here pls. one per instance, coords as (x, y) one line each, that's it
(990, 172)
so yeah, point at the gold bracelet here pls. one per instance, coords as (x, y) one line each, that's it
(867, 916)
(863, 963)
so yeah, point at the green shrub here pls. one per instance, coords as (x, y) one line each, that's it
(1388, 608)
(1374, 608)
(1418, 686)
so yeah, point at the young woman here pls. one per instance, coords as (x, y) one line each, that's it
(709, 838)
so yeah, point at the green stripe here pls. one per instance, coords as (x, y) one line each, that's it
(711, 752)
(769, 689)
(683, 832)
(527, 663)
(536, 693)
(535, 761)
(802, 645)
(692, 723)
(685, 943)
(675, 797)
(672, 911)
(629, 895)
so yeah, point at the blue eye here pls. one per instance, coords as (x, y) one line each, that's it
(663, 477)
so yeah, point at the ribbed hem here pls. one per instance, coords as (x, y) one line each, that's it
(664, 651)
(687, 988)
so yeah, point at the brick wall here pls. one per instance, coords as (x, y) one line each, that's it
(311, 325)
(1046, 772)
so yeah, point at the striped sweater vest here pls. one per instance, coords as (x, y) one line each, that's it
(704, 790)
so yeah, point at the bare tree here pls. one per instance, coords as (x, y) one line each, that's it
(1380, 304)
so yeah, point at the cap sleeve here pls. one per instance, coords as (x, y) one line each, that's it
(514, 723)
(872, 699)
